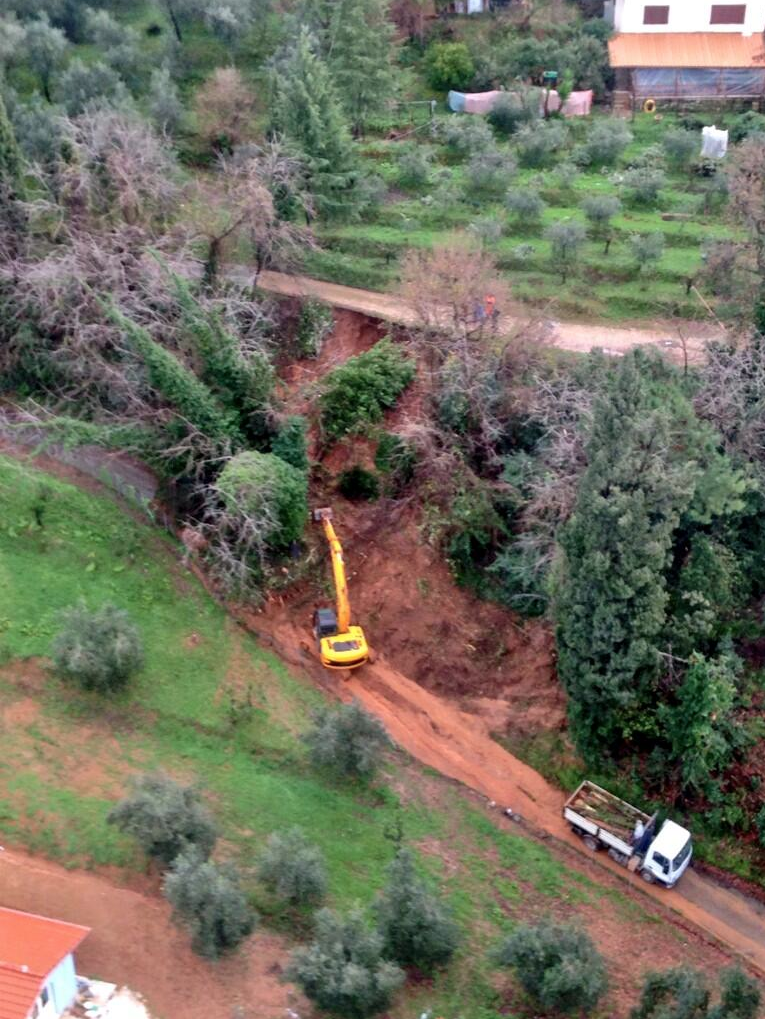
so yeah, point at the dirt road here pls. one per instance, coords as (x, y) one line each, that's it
(574, 336)
(437, 733)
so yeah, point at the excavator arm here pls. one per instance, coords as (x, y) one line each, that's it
(341, 645)
(338, 569)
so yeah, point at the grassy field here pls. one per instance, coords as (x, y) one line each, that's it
(69, 755)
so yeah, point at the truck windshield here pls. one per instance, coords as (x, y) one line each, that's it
(682, 856)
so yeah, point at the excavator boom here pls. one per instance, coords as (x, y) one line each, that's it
(341, 646)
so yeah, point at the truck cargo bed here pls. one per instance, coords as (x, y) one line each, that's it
(600, 813)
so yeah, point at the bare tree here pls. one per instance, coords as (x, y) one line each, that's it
(224, 108)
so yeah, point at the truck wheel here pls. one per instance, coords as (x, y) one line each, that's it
(592, 844)
(647, 876)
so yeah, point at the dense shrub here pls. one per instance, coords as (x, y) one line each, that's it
(396, 459)
(99, 650)
(82, 86)
(208, 901)
(512, 110)
(558, 966)
(465, 134)
(449, 65)
(291, 443)
(315, 323)
(165, 818)
(599, 210)
(357, 393)
(646, 249)
(358, 483)
(292, 868)
(346, 739)
(416, 928)
(489, 171)
(684, 992)
(343, 971)
(268, 492)
(566, 239)
(744, 124)
(537, 144)
(643, 185)
(605, 143)
(414, 166)
(525, 206)
(680, 148)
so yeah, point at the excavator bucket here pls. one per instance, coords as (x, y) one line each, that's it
(324, 513)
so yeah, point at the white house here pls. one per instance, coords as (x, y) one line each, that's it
(37, 974)
(689, 49)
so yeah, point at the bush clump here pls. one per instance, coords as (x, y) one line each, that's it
(292, 868)
(465, 134)
(414, 166)
(538, 143)
(165, 818)
(512, 110)
(291, 443)
(416, 928)
(347, 740)
(605, 143)
(267, 492)
(100, 650)
(315, 323)
(525, 206)
(343, 971)
(358, 483)
(396, 459)
(357, 393)
(643, 185)
(208, 900)
(558, 966)
(449, 65)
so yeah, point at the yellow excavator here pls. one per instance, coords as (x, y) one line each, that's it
(341, 646)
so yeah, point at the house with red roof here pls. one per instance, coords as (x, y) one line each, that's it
(37, 974)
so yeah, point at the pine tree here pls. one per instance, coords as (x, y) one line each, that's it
(361, 59)
(416, 928)
(10, 157)
(307, 112)
(611, 592)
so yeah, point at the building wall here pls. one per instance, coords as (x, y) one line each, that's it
(687, 16)
(59, 991)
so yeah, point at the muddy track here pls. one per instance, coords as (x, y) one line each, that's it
(678, 341)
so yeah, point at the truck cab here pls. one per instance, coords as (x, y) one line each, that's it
(668, 856)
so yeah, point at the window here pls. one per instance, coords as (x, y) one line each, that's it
(656, 14)
(728, 14)
(44, 996)
(662, 861)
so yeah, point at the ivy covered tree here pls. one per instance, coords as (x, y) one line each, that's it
(362, 59)
(306, 110)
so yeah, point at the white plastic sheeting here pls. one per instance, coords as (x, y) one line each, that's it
(714, 143)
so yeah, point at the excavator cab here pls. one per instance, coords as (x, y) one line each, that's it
(341, 646)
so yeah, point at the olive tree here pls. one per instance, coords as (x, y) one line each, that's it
(566, 240)
(165, 818)
(343, 969)
(599, 210)
(293, 868)
(646, 250)
(208, 900)
(100, 650)
(558, 966)
(346, 739)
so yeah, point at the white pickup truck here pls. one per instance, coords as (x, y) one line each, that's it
(602, 820)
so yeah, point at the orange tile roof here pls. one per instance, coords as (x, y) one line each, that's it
(30, 947)
(686, 49)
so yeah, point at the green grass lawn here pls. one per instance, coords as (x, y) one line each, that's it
(68, 755)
